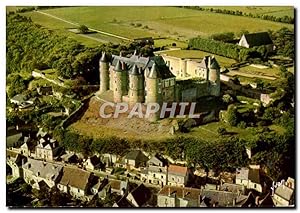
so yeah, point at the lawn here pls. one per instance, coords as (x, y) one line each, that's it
(273, 72)
(198, 54)
(178, 23)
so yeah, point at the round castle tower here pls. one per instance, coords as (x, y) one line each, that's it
(214, 76)
(152, 85)
(153, 88)
(136, 86)
(120, 81)
(104, 73)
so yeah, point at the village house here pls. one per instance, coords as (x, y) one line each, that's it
(92, 163)
(28, 147)
(257, 39)
(173, 196)
(177, 175)
(249, 177)
(47, 150)
(235, 188)
(100, 184)
(116, 186)
(75, 182)
(134, 159)
(69, 158)
(156, 171)
(139, 196)
(15, 162)
(35, 171)
(108, 159)
(284, 194)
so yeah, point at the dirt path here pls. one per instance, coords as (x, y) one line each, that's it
(76, 24)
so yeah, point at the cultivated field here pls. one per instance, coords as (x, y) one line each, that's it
(279, 11)
(134, 22)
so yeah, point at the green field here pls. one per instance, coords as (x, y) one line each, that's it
(133, 22)
(278, 11)
(60, 27)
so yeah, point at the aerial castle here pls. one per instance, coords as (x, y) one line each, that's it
(138, 79)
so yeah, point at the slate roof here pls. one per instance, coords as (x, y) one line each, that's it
(141, 194)
(136, 155)
(143, 64)
(267, 201)
(156, 160)
(258, 39)
(284, 192)
(123, 203)
(209, 62)
(221, 198)
(94, 160)
(75, 177)
(43, 169)
(232, 187)
(177, 170)
(245, 201)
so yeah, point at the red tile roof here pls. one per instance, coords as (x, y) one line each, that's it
(180, 170)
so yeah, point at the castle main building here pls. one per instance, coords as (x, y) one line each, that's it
(138, 79)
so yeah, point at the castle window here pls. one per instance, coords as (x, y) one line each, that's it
(171, 68)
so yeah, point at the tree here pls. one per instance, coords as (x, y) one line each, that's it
(227, 99)
(17, 85)
(232, 115)
(83, 29)
(221, 131)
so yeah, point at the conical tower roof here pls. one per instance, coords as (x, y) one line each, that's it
(214, 64)
(153, 72)
(134, 70)
(103, 57)
(118, 67)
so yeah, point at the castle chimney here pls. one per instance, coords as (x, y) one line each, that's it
(169, 190)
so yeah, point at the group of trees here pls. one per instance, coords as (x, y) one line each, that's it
(284, 40)
(225, 49)
(284, 19)
(29, 47)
